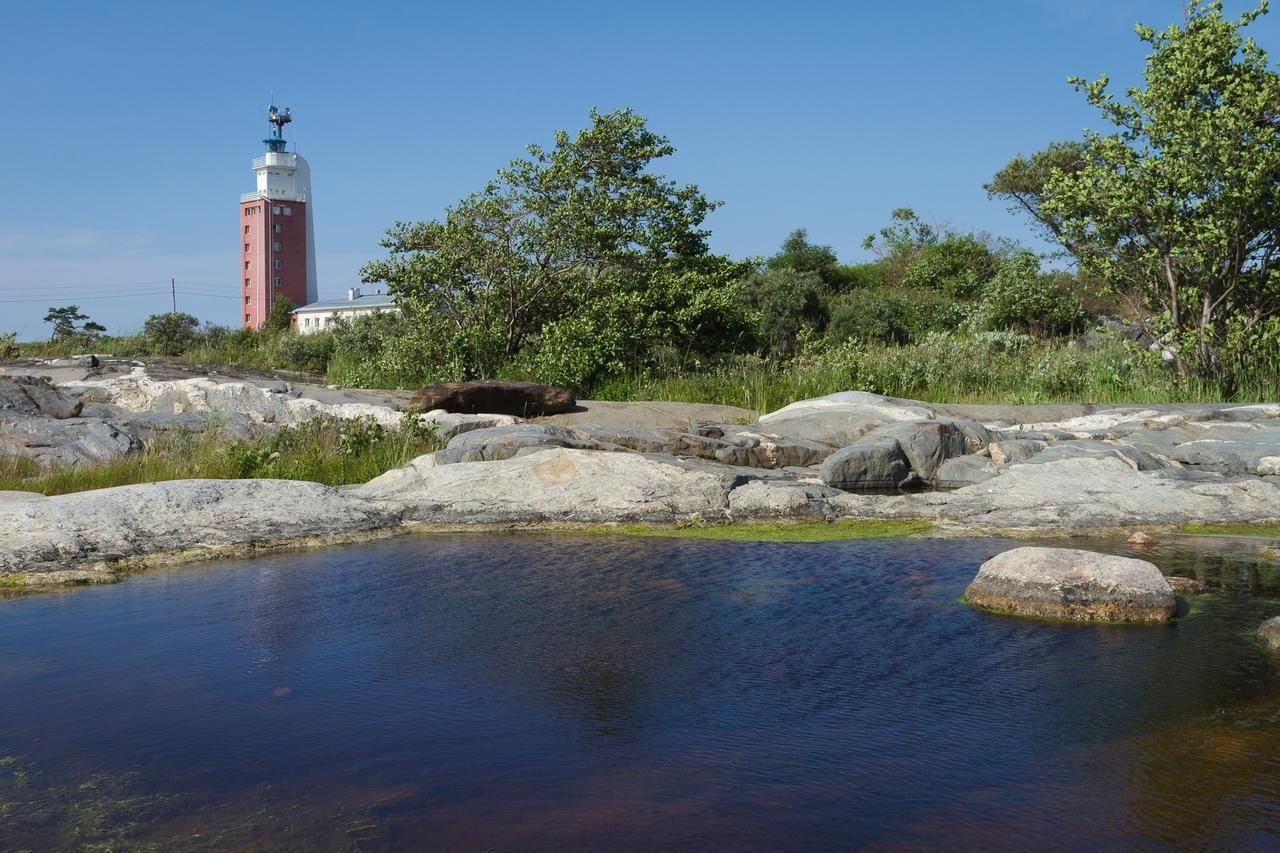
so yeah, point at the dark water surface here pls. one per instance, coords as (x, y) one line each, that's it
(599, 693)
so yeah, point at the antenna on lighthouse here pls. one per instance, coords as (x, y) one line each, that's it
(277, 118)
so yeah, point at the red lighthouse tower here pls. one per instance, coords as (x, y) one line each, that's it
(278, 256)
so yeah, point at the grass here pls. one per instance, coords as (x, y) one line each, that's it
(819, 531)
(323, 450)
(1000, 368)
(1271, 530)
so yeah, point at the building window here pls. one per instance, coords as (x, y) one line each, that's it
(275, 246)
(288, 211)
(246, 282)
(246, 264)
(246, 319)
(275, 210)
(276, 228)
(276, 264)
(276, 281)
(246, 300)
(246, 247)
(246, 230)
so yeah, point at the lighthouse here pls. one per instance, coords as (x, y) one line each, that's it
(278, 247)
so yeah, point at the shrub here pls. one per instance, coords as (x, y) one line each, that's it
(784, 301)
(305, 352)
(1021, 297)
(959, 266)
(171, 334)
(869, 317)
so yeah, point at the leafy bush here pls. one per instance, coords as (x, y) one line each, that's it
(959, 265)
(869, 317)
(783, 300)
(305, 352)
(172, 333)
(8, 347)
(1021, 297)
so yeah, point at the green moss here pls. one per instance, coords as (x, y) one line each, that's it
(1231, 529)
(803, 532)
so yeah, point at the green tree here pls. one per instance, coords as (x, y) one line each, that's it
(1021, 297)
(543, 241)
(784, 300)
(798, 254)
(1022, 182)
(1180, 200)
(280, 316)
(171, 333)
(70, 325)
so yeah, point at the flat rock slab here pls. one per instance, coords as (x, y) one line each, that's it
(552, 485)
(63, 533)
(495, 397)
(1080, 586)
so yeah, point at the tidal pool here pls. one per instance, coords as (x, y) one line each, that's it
(575, 692)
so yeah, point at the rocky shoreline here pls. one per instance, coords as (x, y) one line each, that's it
(973, 470)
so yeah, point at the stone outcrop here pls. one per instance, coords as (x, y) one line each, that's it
(33, 396)
(552, 485)
(1081, 586)
(873, 464)
(1269, 633)
(525, 399)
(42, 539)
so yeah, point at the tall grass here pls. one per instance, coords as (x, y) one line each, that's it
(993, 367)
(323, 450)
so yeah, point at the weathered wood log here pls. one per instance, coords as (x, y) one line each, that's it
(494, 397)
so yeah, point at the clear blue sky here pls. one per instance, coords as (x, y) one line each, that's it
(130, 126)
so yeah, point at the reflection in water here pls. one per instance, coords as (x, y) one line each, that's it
(579, 692)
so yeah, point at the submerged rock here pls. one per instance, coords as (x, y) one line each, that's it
(1065, 583)
(1269, 633)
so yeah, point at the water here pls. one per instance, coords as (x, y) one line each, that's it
(565, 692)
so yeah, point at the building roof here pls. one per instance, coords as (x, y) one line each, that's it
(369, 300)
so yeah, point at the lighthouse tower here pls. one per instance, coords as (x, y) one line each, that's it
(278, 248)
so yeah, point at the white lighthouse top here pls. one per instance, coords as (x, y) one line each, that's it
(281, 175)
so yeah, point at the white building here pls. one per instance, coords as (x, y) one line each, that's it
(319, 316)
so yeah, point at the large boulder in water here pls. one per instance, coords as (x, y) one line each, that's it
(494, 397)
(1065, 583)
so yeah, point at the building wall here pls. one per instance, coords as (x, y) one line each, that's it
(264, 225)
(310, 322)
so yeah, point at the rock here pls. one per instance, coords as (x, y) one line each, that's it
(1142, 540)
(488, 445)
(1094, 449)
(1081, 586)
(1269, 633)
(1015, 450)
(1269, 466)
(33, 396)
(871, 464)
(926, 444)
(758, 449)
(964, 471)
(841, 419)
(1208, 459)
(449, 424)
(554, 485)
(782, 499)
(53, 443)
(176, 517)
(1186, 586)
(491, 396)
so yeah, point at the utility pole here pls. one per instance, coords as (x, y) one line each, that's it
(173, 291)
